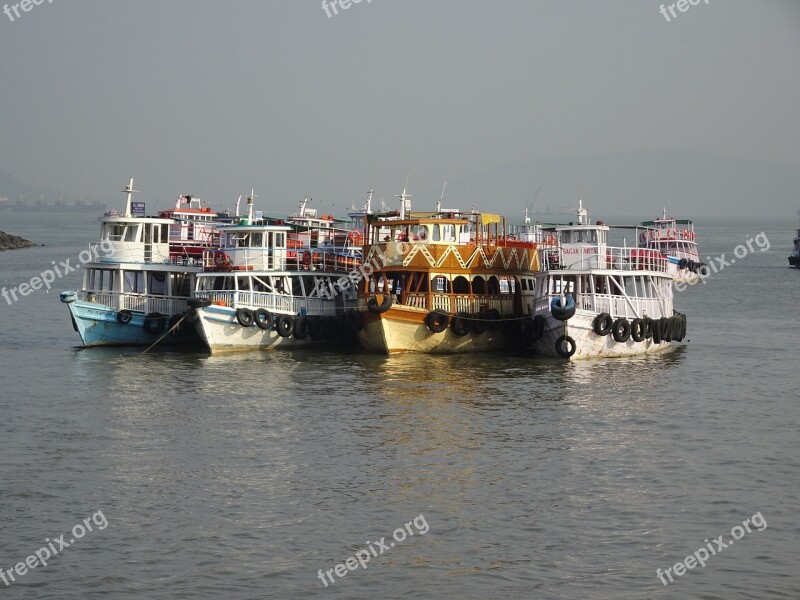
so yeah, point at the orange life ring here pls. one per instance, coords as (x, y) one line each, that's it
(551, 239)
(307, 258)
(221, 259)
(354, 236)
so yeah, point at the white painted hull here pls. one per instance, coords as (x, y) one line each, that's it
(402, 329)
(220, 331)
(587, 343)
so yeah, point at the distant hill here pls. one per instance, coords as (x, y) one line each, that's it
(16, 192)
(690, 184)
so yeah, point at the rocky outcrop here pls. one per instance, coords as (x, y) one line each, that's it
(12, 242)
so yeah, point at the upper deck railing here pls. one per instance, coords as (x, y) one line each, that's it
(584, 258)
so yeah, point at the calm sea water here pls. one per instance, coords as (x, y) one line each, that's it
(241, 476)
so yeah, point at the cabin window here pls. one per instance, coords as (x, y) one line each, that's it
(130, 233)
(479, 285)
(419, 233)
(133, 282)
(157, 283)
(460, 285)
(257, 240)
(280, 240)
(440, 284)
(493, 285)
(437, 234)
(524, 285)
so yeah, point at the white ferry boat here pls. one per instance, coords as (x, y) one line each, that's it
(193, 228)
(595, 300)
(134, 293)
(255, 292)
(675, 239)
(451, 282)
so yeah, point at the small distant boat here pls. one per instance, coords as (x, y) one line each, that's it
(595, 300)
(676, 239)
(136, 291)
(794, 258)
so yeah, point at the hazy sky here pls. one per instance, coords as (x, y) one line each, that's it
(212, 98)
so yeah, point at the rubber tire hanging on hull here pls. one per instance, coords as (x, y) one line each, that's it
(263, 318)
(154, 323)
(374, 307)
(460, 324)
(602, 324)
(355, 320)
(124, 316)
(245, 317)
(571, 346)
(562, 313)
(537, 330)
(437, 321)
(301, 328)
(284, 325)
(638, 330)
(621, 331)
(479, 324)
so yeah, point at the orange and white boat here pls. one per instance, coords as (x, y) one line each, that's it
(451, 282)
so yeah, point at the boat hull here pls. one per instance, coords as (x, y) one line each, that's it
(97, 325)
(403, 329)
(220, 331)
(587, 343)
(794, 261)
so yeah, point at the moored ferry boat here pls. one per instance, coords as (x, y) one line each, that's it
(135, 293)
(595, 300)
(256, 291)
(451, 282)
(192, 230)
(675, 239)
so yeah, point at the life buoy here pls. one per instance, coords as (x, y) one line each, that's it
(551, 240)
(245, 317)
(263, 319)
(569, 350)
(306, 258)
(437, 321)
(284, 325)
(602, 324)
(374, 307)
(621, 330)
(221, 259)
(562, 313)
(154, 323)
(124, 316)
(637, 330)
(460, 324)
(354, 236)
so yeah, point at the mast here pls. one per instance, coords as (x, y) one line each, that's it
(130, 192)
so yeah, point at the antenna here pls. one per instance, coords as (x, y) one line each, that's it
(405, 204)
(130, 192)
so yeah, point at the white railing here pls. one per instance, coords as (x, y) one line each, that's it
(461, 303)
(604, 257)
(166, 305)
(278, 303)
(629, 307)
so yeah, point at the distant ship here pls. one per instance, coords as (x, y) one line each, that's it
(794, 258)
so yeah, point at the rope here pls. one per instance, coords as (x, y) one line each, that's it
(170, 330)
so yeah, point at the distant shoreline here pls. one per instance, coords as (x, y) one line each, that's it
(13, 242)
